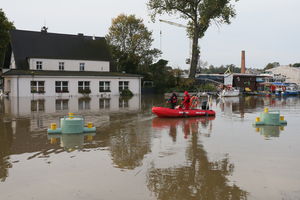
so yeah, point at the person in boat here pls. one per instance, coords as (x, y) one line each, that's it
(273, 89)
(186, 101)
(173, 100)
(205, 105)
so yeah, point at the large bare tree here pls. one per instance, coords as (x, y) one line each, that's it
(199, 13)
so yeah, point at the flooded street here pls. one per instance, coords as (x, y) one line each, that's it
(135, 155)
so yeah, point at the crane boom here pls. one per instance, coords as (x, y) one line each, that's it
(173, 23)
(188, 60)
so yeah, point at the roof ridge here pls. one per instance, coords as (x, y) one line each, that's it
(62, 34)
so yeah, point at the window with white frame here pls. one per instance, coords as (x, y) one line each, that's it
(61, 86)
(37, 86)
(104, 86)
(61, 66)
(39, 65)
(123, 85)
(81, 66)
(104, 103)
(62, 104)
(84, 87)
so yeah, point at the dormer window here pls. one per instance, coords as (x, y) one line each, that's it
(61, 66)
(81, 66)
(39, 65)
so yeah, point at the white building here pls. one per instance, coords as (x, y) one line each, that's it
(291, 74)
(48, 64)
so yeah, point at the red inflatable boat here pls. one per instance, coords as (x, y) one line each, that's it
(168, 112)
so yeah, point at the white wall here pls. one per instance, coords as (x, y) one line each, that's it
(20, 86)
(69, 65)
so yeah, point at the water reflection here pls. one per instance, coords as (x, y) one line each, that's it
(6, 140)
(123, 103)
(188, 125)
(26, 105)
(239, 106)
(130, 141)
(104, 103)
(23, 124)
(38, 105)
(70, 142)
(197, 158)
(61, 104)
(200, 178)
(84, 103)
(269, 131)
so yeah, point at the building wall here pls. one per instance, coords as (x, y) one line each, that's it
(20, 86)
(69, 65)
(292, 73)
(245, 82)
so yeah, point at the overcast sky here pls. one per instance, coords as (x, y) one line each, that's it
(268, 30)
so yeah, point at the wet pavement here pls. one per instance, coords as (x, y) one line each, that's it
(135, 155)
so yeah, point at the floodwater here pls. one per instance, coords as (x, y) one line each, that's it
(134, 155)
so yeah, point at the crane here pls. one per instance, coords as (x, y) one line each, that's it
(188, 60)
(173, 23)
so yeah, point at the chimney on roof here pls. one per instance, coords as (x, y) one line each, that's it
(243, 62)
(44, 29)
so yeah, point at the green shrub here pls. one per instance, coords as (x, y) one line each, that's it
(126, 93)
(208, 87)
(84, 91)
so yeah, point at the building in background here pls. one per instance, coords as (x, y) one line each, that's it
(291, 74)
(241, 81)
(50, 64)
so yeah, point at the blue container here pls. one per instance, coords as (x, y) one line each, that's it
(71, 125)
(271, 118)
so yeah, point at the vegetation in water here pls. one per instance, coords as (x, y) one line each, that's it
(126, 93)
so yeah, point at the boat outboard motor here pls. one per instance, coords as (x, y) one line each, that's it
(205, 105)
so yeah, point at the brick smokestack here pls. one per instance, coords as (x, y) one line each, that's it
(243, 63)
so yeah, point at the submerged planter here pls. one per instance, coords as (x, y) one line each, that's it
(272, 118)
(71, 124)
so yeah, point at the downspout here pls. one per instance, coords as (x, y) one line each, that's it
(18, 101)
(140, 95)
(18, 86)
(140, 86)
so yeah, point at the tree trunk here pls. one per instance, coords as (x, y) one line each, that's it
(195, 53)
